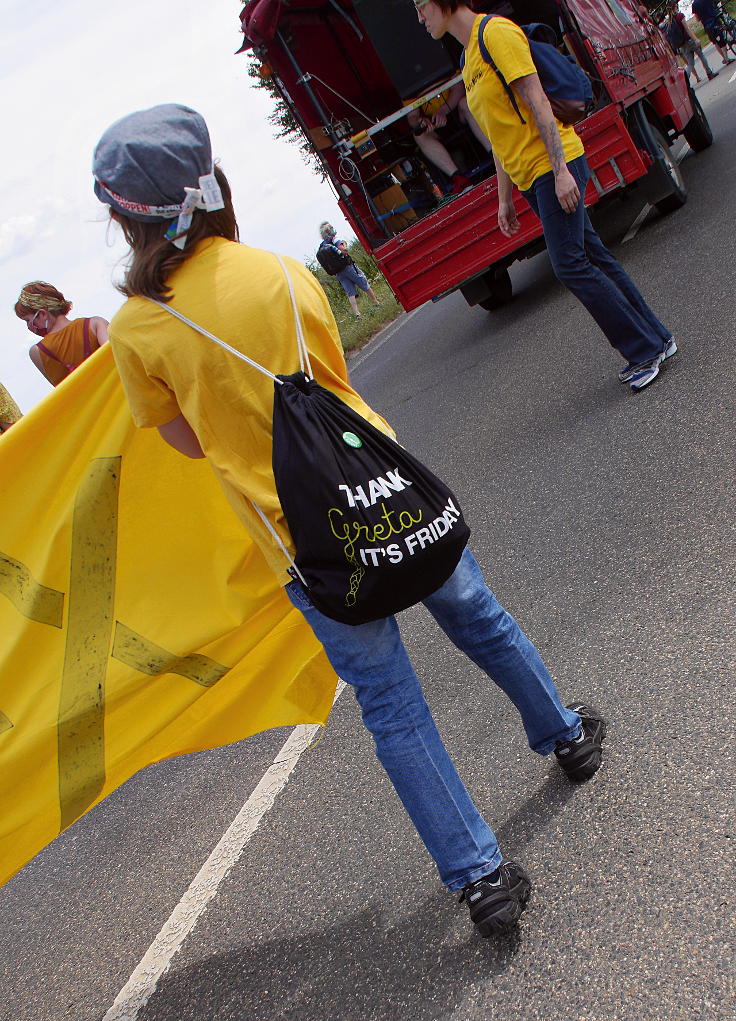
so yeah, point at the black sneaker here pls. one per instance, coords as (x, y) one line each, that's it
(581, 757)
(497, 901)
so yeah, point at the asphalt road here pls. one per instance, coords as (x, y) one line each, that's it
(604, 522)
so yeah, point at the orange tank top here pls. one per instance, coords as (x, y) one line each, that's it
(64, 350)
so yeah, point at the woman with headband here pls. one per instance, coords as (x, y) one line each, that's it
(64, 343)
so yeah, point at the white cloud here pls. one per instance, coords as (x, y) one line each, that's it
(70, 70)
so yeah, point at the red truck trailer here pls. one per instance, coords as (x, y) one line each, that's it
(351, 70)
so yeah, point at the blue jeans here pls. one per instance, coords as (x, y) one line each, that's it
(351, 279)
(584, 265)
(372, 658)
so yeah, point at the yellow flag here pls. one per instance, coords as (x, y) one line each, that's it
(137, 619)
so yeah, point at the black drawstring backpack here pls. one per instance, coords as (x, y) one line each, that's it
(375, 530)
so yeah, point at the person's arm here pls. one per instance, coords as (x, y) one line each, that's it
(508, 221)
(179, 434)
(99, 326)
(35, 356)
(529, 88)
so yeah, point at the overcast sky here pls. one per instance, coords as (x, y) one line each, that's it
(71, 68)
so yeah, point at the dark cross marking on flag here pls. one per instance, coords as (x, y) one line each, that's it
(92, 636)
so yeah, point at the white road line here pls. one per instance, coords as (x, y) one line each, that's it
(142, 983)
(374, 345)
(631, 232)
(732, 78)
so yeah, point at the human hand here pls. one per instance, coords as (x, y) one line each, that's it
(567, 191)
(439, 119)
(508, 221)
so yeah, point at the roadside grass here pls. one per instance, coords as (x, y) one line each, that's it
(356, 332)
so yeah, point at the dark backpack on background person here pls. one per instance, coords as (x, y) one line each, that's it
(331, 260)
(675, 34)
(375, 531)
(565, 83)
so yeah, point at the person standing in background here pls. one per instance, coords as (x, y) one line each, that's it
(684, 42)
(65, 343)
(706, 13)
(351, 277)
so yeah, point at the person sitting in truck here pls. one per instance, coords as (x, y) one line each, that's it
(706, 13)
(545, 159)
(335, 259)
(426, 119)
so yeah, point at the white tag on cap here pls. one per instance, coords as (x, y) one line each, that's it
(211, 194)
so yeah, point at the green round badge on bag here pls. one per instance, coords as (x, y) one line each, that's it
(352, 440)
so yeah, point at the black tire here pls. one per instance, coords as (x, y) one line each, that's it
(501, 290)
(698, 133)
(665, 165)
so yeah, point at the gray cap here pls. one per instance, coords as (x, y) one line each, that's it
(143, 162)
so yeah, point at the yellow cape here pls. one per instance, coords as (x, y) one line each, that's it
(138, 620)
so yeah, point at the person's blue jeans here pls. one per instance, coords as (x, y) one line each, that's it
(372, 658)
(584, 265)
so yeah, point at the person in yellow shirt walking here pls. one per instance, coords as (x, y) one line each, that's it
(546, 161)
(154, 168)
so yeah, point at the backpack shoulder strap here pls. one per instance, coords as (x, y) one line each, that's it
(221, 343)
(491, 62)
(300, 341)
(50, 354)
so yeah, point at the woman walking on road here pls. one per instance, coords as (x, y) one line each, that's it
(155, 167)
(546, 161)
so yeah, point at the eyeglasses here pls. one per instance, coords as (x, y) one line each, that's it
(421, 3)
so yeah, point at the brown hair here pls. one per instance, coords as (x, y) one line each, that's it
(153, 258)
(450, 6)
(45, 296)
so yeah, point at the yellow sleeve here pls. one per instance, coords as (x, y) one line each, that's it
(151, 401)
(509, 48)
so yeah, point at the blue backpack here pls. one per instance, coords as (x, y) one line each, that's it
(566, 85)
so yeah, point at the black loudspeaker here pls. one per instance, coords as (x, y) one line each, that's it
(414, 61)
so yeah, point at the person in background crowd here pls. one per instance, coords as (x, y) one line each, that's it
(142, 164)
(706, 13)
(684, 41)
(546, 161)
(10, 413)
(65, 343)
(352, 277)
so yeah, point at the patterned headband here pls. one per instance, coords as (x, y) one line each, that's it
(40, 301)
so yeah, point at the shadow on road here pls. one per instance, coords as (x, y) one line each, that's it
(364, 967)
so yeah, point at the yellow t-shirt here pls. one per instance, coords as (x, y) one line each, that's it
(240, 295)
(518, 146)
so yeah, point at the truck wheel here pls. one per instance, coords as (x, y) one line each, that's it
(698, 133)
(665, 165)
(501, 289)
